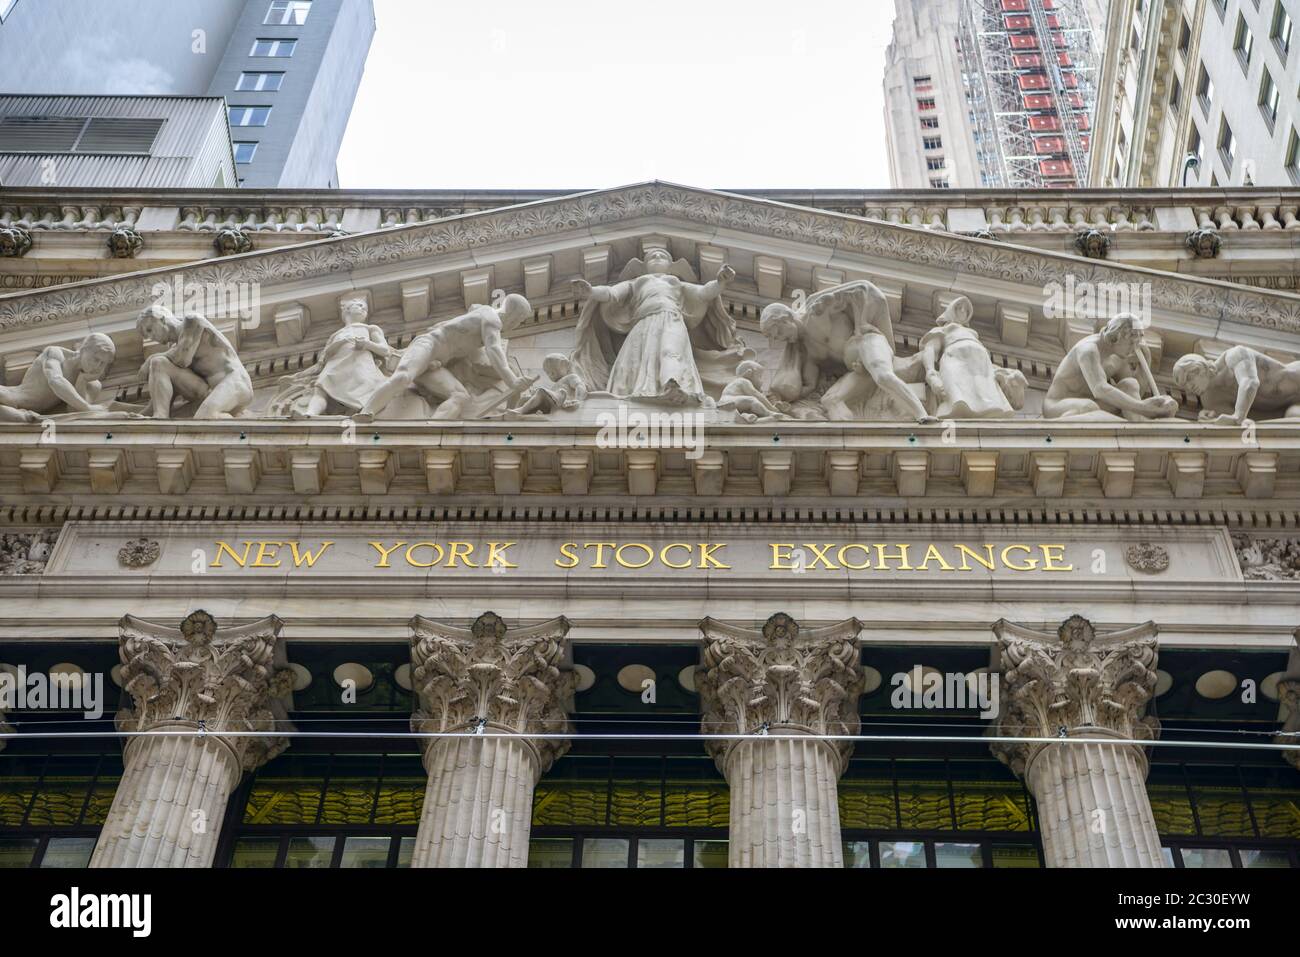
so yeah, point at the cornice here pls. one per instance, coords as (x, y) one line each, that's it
(1209, 299)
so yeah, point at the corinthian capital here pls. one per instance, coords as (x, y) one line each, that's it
(199, 675)
(492, 676)
(1075, 680)
(782, 678)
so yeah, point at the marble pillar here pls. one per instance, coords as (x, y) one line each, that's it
(1093, 809)
(491, 686)
(794, 686)
(202, 680)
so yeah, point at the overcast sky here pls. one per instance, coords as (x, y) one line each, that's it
(581, 93)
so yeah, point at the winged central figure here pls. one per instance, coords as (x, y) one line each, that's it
(657, 335)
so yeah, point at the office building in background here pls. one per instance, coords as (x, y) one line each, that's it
(1213, 80)
(288, 69)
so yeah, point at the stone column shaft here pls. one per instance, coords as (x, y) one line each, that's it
(1093, 809)
(478, 804)
(784, 804)
(171, 801)
(168, 808)
(781, 682)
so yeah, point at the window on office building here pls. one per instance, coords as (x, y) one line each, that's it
(288, 12)
(274, 48)
(932, 142)
(1176, 94)
(1204, 88)
(249, 115)
(1244, 42)
(1185, 37)
(1280, 32)
(1293, 156)
(925, 103)
(259, 82)
(244, 152)
(934, 163)
(1195, 144)
(1269, 98)
(1227, 143)
(929, 122)
(940, 183)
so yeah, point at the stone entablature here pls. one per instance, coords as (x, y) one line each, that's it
(1019, 463)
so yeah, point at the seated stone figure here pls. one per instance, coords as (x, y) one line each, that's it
(567, 393)
(960, 373)
(1097, 378)
(63, 381)
(744, 395)
(1242, 382)
(201, 364)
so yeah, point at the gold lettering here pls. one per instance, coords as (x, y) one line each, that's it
(819, 555)
(932, 555)
(778, 556)
(567, 550)
(384, 552)
(649, 555)
(461, 550)
(881, 558)
(847, 564)
(412, 562)
(266, 550)
(1030, 563)
(307, 556)
(1052, 557)
(496, 555)
(663, 554)
(966, 553)
(706, 555)
(240, 560)
(600, 552)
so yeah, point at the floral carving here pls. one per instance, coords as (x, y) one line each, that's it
(26, 553)
(197, 675)
(1053, 685)
(138, 553)
(781, 678)
(1267, 559)
(1147, 557)
(492, 676)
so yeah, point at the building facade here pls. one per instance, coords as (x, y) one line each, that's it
(650, 526)
(991, 93)
(289, 69)
(1216, 80)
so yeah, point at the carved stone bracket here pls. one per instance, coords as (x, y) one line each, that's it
(230, 240)
(1093, 243)
(15, 241)
(1205, 243)
(124, 242)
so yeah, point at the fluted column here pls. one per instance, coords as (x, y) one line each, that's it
(486, 680)
(798, 684)
(1093, 809)
(197, 678)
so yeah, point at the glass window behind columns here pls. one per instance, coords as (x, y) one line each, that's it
(53, 805)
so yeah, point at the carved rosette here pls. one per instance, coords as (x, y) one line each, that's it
(15, 241)
(139, 553)
(232, 679)
(1147, 557)
(1073, 681)
(1288, 693)
(781, 679)
(124, 242)
(492, 677)
(230, 240)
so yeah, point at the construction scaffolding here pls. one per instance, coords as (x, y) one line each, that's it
(1029, 70)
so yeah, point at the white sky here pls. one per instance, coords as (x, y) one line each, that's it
(545, 94)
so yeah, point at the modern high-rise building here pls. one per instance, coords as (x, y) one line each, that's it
(288, 69)
(1201, 92)
(995, 93)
